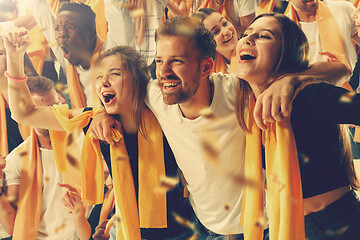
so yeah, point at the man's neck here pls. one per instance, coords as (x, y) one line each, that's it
(306, 16)
(44, 141)
(201, 99)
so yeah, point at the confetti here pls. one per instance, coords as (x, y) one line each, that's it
(183, 221)
(340, 231)
(23, 154)
(72, 160)
(227, 207)
(347, 97)
(260, 222)
(168, 182)
(59, 228)
(46, 179)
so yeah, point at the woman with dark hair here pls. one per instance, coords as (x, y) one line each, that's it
(140, 158)
(308, 162)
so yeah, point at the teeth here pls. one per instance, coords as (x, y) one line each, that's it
(170, 84)
(228, 40)
(243, 53)
(108, 96)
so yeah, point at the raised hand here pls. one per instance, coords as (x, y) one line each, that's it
(17, 42)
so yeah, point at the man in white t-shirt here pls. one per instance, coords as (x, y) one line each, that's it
(55, 220)
(341, 11)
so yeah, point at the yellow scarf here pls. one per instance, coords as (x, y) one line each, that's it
(30, 190)
(151, 198)
(356, 3)
(330, 37)
(3, 129)
(284, 192)
(220, 64)
(76, 94)
(98, 6)
(268, 7)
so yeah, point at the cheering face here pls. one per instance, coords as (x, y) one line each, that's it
(224, 32)
(178, 68)
(73, 37)
(113, 85)
(258, 51)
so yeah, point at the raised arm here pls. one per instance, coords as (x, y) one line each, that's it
(273, 104)
(22, 105)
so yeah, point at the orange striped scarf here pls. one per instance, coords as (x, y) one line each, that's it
(284, 192)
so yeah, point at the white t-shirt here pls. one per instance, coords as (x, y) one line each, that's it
(342, 12)
(3, 233)
(242, 8)
(56, 223)
(215, 194)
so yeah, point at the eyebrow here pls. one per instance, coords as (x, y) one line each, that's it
(263, 29)
(215, 25)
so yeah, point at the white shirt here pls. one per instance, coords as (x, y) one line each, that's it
(215, 194)
(56, 223)
(342, 12)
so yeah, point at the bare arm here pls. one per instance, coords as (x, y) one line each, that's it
(26, 21)
(22, 105)
(72, 199)
(273, 104)
(178, 7)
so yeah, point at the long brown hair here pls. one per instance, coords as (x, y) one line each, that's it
(137, 67)
(294, 57)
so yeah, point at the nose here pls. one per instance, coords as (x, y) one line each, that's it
(163, 70)
(226, 32)
(249, 39)
(60, 33)
(104, 82)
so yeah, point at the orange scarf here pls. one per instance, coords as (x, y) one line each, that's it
(356, 3)
(98, 6)
(76, 94)
(3, 129)
(268, 7)
(220, 64)
(152, 199)
(331, 41)
(30, 191)
(284, 192)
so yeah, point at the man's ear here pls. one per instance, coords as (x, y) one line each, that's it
(207, 65)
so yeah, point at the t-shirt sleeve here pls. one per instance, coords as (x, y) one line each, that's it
(328, 104)
(12, 169)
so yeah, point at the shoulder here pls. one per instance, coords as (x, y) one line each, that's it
(340, 5)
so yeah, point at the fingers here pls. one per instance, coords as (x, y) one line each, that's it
(67, 200)
(101, 127)
(68, 187)
(276, 109)
(258, 114)
(99, 230)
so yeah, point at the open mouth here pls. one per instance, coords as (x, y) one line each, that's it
(170, 85)
(66, 51)
(246, 55)
(108, 97)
